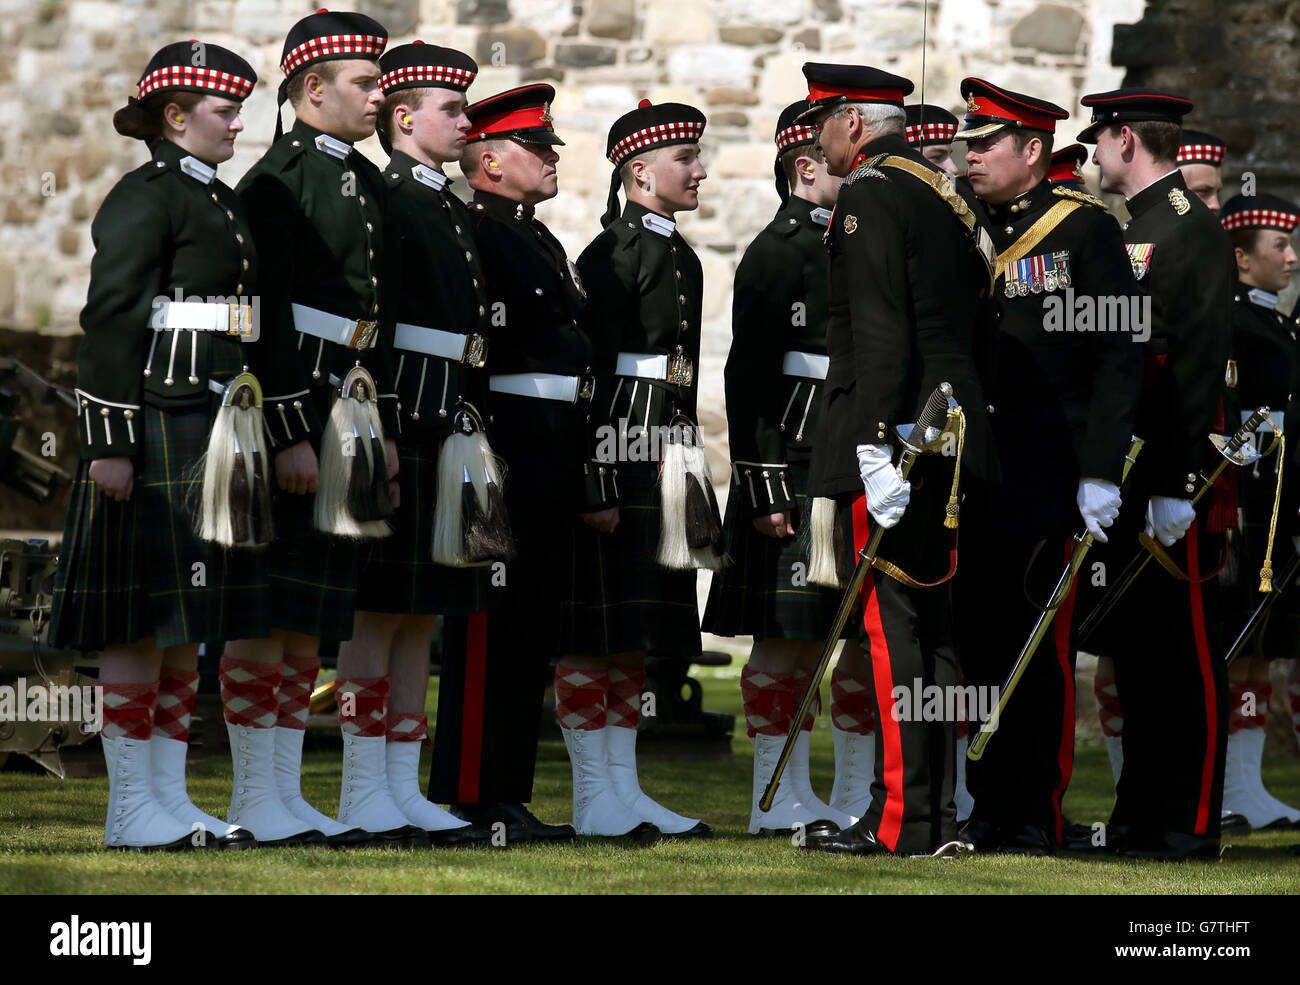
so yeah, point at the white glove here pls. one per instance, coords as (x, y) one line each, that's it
(1098, 504)
(1168, 519)
(887, 492)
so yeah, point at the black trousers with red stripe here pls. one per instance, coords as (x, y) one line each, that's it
(1173, 688)
(497, 665)
(1027, 764)
(907, 635)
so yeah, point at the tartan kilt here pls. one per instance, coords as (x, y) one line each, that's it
(761, 594)
(397, 573)
(1279, 636)
(126, 570)
(631, 602)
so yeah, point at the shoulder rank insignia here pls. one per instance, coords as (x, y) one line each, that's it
(1179, 201)
(850, 224)
(1139, 255)
(1075, 196)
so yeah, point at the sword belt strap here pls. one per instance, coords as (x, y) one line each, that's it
(1035, 234)
(899, 575)
(1171, 566)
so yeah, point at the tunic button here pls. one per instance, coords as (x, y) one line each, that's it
(370, 254)
(239, 238)
(161, 164)
(214, 197)
(245, 264)
(239, 288)
(537, 291)
(374, 281)
(374, 310)
(370, 227)
(469, 255)
(1189, 487)
(297, 143)
(458, 229)
(683, 326)
(681, 299)
(476, 282)
(678, 273)
(482, 310)
(990, 408)
(1191, 476)
(362, 200)
(230, 215)
(794, 222)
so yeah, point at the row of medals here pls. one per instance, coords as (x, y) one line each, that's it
(1058, 275)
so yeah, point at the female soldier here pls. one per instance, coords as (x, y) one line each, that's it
(134, 579)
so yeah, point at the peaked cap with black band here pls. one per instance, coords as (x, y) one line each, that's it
(522, 114)
(832, 85)
(1132, 105)
(647, 127)
(324, 36)
(789, 135)
(1066, 166)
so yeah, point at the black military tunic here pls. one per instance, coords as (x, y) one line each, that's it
(485, 748)
(430, 252)
(1170, 680)
(1264, 359)
(908, 311)
(168, 231)
(645, 288)
(1066, 399)
(316, 207)
(779, 307)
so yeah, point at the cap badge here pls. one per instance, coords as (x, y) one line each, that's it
(971, 105)
(1179, 201)
(850, 224)
(546, 113)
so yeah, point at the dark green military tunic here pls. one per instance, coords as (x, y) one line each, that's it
(316, 207)
(168, 231)
(431, 254)
(645, 288)
(779, 306)
(1264, 355)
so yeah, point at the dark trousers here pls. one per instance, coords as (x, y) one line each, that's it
(1173, 688)
(908, 638)
(1027, 763)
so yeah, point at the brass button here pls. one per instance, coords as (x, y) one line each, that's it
(245, 264)
(458, 229)
(239, 238)
(362, 200)
(482, 310)
(370, 254)
(315, 374)
(374, 281)
(374, 309)
(681, 299)
(230, 215)
(370, 227)
(683, 326)
(537, 291)
(469, 255)
(214, 197)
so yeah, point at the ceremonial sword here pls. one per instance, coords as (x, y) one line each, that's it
(1261, 610)
(1082, 542)
(923, 437)
(1238, 450)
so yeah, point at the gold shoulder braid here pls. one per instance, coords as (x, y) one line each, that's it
(1083, 197)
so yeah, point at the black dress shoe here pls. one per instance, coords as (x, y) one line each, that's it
(1026, 839)
(1115, 836)
(310, 837)
(857, 840)
(538, 829)
(468, 836)
(351, 838)
(811, 830)
(488, 816)
(1171, 846)
(237, 840)
(985, 836)
(644, 833)
(1234, 824)
(701, 830)
(407, 836)
(1073, 831)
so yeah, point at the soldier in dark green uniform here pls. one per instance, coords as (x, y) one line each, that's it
(645, 288)
(316, 207)
(172, 252)
(439, 347)
(931, 130)
(1261, 227)
(774, 375)
(1200, 159)
(496, 663)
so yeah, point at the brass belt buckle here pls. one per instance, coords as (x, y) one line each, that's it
(680, 370)
(475, 353)
(239, 319)
(586, 388)
(364, 335)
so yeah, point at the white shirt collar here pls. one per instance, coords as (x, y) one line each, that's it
(1262, 298)
(821, 216)
(428, 176)
(196, 169)
(333, 146)
(658, 224)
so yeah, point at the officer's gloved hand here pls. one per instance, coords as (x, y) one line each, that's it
(1168, 518)
(887, 492)
(1098, 504)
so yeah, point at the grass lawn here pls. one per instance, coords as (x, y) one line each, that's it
(51, 836)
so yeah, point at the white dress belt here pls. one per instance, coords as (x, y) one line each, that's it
(645, 365)
(234, 318)
(546, 386)
(432, 342)
(806, 364)
(350, 332)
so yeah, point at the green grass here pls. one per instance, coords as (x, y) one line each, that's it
(51, 835)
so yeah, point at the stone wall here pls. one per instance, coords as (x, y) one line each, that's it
(70, 63)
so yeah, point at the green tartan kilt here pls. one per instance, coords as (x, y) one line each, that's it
(128, 571)
(765, 593)
(397, 573)
(1279, 636)
(633, 603)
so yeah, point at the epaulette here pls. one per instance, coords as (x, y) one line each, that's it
(1083, 197)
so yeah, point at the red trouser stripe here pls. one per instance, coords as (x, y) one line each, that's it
(1207, 682)
(1064, 751)
(471, 724)
(892, 814)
